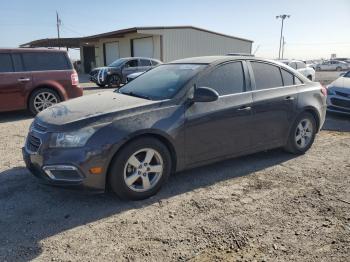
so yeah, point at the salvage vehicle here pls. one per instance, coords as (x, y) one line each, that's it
(332, 65)
(36, 79)
(179, 115)
(338, 99)
(301, 67)
(115, 74)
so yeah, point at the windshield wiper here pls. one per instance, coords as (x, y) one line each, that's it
(136, 95)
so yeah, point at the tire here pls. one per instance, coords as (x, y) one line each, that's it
(309, 77)
(338, 68)
(100, 85)
(39, 95)
(114, 81)
(295, 138)
(129, 181)
(318, 68)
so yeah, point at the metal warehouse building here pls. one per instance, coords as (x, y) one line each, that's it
(163, 43)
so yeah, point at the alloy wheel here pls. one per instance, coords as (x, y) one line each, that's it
(304, 133)
(44, 100)
(143, 170)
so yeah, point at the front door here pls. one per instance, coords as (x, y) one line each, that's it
(221, 128)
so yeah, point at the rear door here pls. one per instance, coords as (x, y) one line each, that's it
(220, 128)
(145, 64)
(14, 82)
(49, 66)
(274, 103)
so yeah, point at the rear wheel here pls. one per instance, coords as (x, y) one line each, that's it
(309, 77)
(139, 169)
(42, 99)
(302, 134)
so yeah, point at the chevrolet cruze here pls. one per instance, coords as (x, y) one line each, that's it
(179, 115)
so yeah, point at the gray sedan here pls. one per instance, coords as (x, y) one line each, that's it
(332, 65)
(338, 99)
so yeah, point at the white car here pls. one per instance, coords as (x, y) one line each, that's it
(338, 99)
(332, 65)
(301, 67)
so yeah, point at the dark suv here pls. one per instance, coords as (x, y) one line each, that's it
(116, 73)
(35, 79)
(176, 116)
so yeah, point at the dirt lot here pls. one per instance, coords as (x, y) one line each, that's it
(270, 206)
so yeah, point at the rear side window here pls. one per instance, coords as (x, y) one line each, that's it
(145, 62)
(226, 79)
(293, 65)
(42, 61)
(5, 63)
(288, 78)
(266, 75)
(300, 65)
(17, 62)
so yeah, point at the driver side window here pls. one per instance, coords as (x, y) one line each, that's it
(132, 63)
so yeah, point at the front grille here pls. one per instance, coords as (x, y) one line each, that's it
(342, 94)
(340, 102)
(39, 127)
(33, 143)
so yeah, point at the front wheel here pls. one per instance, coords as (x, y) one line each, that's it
(139, 169)
(302, 134)
(114, 81)
(339, 68)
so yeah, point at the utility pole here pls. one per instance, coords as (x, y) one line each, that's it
(283, 44)
(282, 17)
(58, 23)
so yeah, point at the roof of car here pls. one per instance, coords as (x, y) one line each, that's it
(215, 59)
(31, 50)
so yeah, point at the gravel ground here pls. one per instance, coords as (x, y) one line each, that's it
(270, 206)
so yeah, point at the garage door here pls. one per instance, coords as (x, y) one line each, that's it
(111, 52)
(143, 47)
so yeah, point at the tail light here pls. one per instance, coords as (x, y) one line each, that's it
(75, 79)
(324, 90)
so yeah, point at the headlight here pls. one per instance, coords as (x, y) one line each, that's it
(330, 91)
(72, 139)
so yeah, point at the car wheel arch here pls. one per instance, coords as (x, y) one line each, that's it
(313, 112)
(45, 86)
(162, 138)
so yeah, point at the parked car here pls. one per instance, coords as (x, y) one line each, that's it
(332, 65)
(115, 74)
(344, 59)
(338, 99)
(301, 67)
(179, 115)
(131, 77)
(36, 79)
(311, 63)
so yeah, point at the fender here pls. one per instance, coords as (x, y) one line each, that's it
(50, 84)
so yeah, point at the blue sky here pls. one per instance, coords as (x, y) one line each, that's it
(316, 28)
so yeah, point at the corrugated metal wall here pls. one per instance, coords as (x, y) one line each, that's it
(182, 43)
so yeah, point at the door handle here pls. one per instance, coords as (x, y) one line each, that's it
(23, 80)
(289, 98)
(244, 108)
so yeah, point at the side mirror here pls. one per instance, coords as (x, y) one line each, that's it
(205, 94)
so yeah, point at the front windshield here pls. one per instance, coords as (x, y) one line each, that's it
(162, 82)
(117, 63)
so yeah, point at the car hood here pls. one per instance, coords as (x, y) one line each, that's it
(90, 109)
(341, 82)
